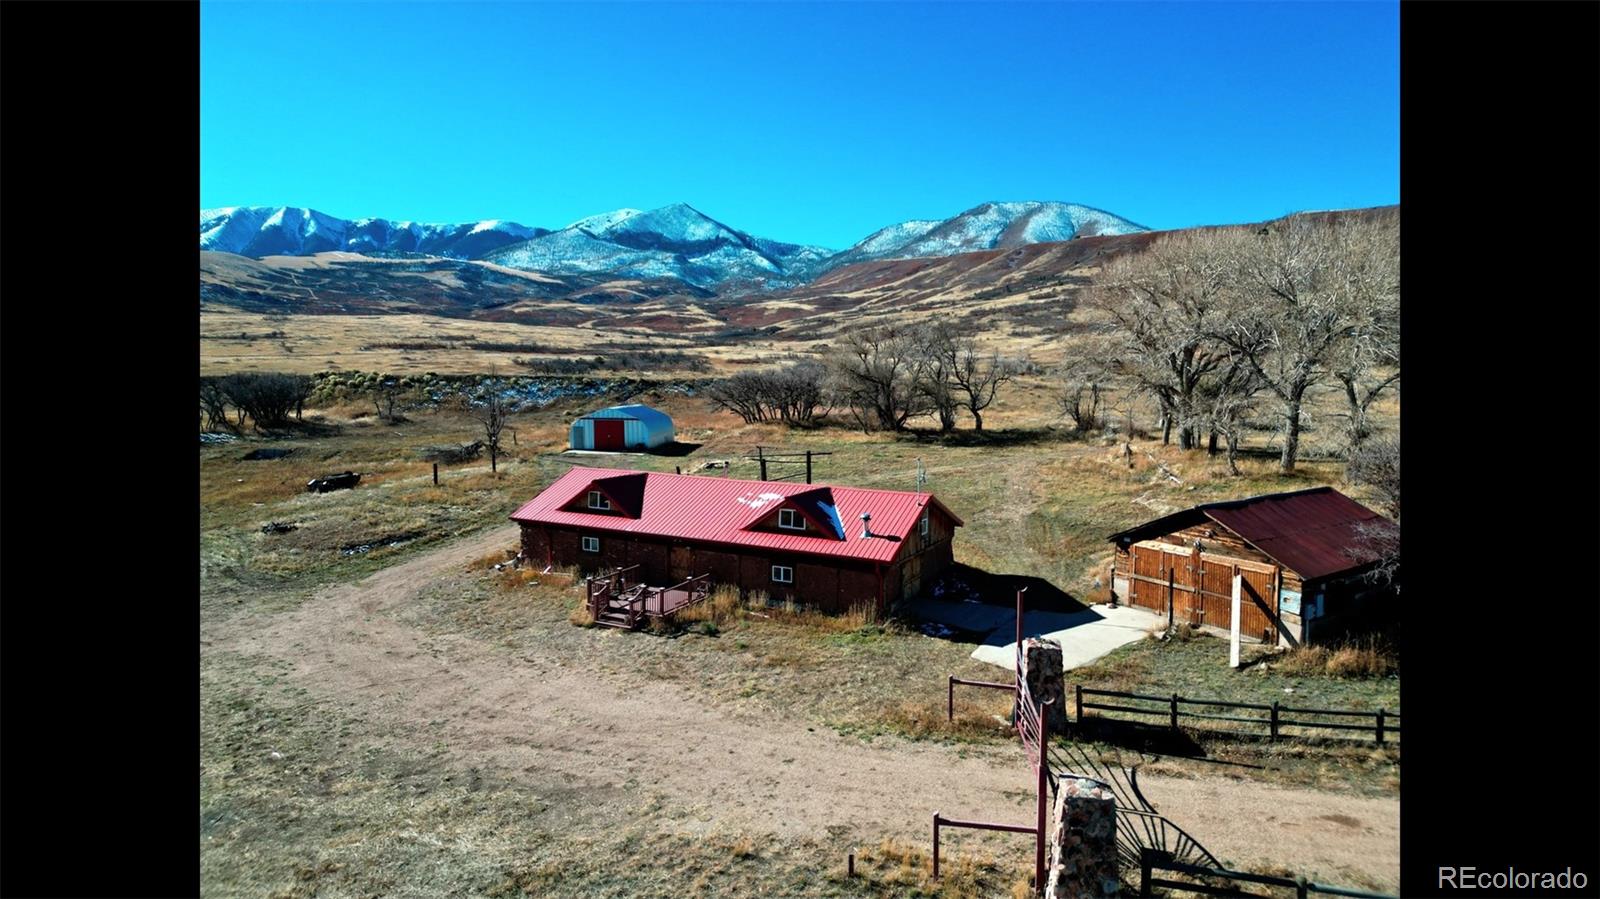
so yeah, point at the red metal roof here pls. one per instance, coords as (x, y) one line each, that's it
(1314, 533)
(719, 510)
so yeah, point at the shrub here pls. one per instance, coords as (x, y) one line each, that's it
(1356, 658)
(581, 616)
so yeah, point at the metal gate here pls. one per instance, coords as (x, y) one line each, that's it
(1028, 717)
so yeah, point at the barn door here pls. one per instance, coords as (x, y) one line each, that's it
(1258, 608)
(608, 434)
(1147, 585)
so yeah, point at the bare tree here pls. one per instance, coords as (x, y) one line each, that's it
(266, 397)
(744, 394)
(971, 377)
(1080, 392)
(1378, 539)
(794, 395)
(798, 393)
(936, 380)
(214, 403)
(1367, 361)
(1167, 303)
(388, 390)
(1224, 403)
(491, 413)
(1377, 465)
(1305, 287)
(876, 372)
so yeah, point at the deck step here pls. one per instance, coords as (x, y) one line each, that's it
(612, 619)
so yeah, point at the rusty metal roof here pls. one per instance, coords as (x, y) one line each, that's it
(1315, 532)
(721, 510)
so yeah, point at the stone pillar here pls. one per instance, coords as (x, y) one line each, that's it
(1083, 841)
(1041, 660)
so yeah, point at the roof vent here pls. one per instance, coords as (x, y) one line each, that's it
(866, 528)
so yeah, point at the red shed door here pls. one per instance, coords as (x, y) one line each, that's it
(608, 434)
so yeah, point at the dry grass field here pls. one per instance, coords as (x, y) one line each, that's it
(384, 714)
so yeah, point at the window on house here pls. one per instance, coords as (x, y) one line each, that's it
(597, 500)
(789, 518)
(782, 574)
(591, 544)
(924, 524)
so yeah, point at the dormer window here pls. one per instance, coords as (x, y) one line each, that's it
(597, 500)
(791, 520)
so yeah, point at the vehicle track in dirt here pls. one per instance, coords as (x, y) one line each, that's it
(538, 721)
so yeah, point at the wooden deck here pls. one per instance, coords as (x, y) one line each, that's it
(615, 601)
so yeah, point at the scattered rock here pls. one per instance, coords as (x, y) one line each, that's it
(278, 527)
(210, 437)
(266, 452)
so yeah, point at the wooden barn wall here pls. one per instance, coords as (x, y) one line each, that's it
(1218, 540)
(922, 559)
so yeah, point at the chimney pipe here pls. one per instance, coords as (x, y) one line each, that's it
(866, 528)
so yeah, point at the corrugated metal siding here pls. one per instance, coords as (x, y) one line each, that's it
(642, 426)
(1313, 532)
(582, 436)
(718, 510)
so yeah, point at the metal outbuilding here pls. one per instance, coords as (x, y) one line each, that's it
(631, 427)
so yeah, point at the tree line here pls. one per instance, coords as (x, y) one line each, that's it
(1218, 325)
(880, 377)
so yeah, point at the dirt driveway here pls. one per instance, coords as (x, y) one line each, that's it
(528, 717)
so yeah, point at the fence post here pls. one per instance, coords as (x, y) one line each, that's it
(1274, 720)
(950, 705)
(1172, 606)
(1039, 835)
(808, 466)
(1300, 887)
(850, 865)
(1079, 690)
(936, 845)
(1144, 871)
(1380, 727)
(1174, 711)
(435, 474)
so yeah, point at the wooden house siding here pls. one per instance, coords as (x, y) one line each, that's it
(829, 584)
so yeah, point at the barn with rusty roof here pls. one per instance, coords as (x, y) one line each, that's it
(823, 545)
(1304, 558)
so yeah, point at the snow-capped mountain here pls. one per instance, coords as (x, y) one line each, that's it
(676, 241)
(987, 227)
(292, 231)
(884, 243)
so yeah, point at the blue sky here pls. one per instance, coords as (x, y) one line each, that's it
(808, 122)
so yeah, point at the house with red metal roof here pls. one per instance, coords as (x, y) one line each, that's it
(822, 545)
(1304, 557)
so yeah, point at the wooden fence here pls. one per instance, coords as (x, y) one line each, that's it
(1382, 724)
(1153, 861)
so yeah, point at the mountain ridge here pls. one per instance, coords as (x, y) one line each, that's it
(676, 241)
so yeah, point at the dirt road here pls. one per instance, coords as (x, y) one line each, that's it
(533, 718)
